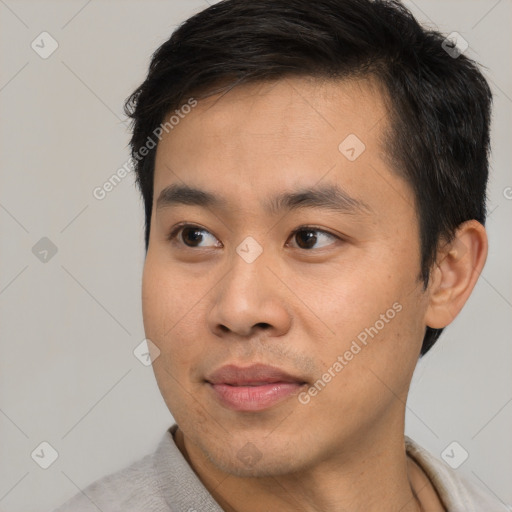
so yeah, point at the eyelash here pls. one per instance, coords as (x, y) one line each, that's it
(175, 231)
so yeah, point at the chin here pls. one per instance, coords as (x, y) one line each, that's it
(265, 464)
(254, 456)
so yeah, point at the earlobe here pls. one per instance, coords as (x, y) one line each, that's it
(455, 273)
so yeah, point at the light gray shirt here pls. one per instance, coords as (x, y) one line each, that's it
(164, 482)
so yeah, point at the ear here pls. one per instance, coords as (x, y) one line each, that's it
(455, 273)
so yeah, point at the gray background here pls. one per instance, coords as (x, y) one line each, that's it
(69, 325)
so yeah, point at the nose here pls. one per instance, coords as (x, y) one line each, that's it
(248, 299)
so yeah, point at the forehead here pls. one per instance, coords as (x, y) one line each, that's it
(293, 107)
(262, 138)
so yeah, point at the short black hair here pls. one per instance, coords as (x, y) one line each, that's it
(439, 101)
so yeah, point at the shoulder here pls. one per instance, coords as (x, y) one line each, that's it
(457, 492)
(131, 489)
(160, 482)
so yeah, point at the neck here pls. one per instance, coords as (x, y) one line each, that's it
(378, 476)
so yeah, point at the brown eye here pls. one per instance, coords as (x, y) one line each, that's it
(192, 236)
(307, 238)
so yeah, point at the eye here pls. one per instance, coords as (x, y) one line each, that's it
(307, 237)
(192, 235)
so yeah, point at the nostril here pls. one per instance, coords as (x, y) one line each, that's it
(264, 325)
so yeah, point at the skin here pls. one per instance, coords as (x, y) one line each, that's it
(293, 307)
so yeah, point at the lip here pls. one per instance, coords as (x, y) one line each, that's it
(253, 374)
(252, 388)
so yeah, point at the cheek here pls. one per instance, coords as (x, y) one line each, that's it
(374, 311)
(373, 377)
(163, 306)
(392, 353)
(352, 299)
(166, 296)
(171, 308)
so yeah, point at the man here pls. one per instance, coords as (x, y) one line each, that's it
(314, 179)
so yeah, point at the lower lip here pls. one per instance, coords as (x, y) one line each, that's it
(254, 398)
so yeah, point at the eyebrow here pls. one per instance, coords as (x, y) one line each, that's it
(328, 197)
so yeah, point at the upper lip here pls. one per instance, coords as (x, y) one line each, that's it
(254, 374)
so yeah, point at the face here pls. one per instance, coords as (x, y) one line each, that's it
(301, 255)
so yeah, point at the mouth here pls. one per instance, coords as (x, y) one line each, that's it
(253, 388)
